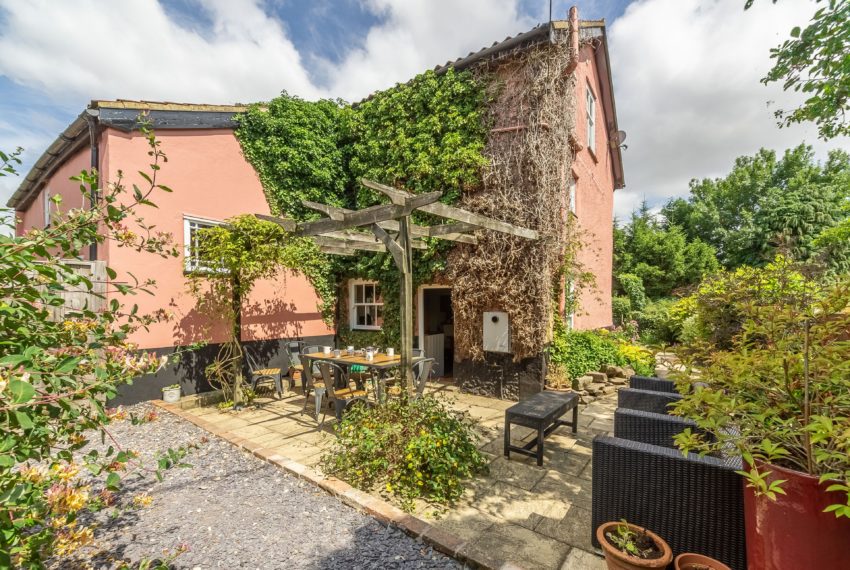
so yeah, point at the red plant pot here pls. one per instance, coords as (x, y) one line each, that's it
(793, 532)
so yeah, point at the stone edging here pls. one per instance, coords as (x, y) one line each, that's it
(384, 512)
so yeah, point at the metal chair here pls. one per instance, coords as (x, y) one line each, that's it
(340, 398)
(311, 380)
(421, 375)
(273, 374)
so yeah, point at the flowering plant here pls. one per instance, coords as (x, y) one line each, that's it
(57, 373)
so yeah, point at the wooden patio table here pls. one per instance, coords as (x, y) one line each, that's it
(380, 363)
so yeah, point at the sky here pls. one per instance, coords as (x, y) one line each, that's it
(686, 72)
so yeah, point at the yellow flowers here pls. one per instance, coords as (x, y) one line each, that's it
(117, 414)
(67, 499)
(65, 472)
(34, 473)
(70, 538)
(142, 500)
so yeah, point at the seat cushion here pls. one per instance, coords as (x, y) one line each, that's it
(358, 369)
(267, 371)
(348, 393)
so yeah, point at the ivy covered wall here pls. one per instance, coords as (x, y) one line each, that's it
(428, 134)
(493, 140)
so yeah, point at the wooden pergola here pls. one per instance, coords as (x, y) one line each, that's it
(390, 229)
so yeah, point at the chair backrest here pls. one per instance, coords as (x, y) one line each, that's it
(252, 362)
(329, 371)
(421, 374)
(294, 349)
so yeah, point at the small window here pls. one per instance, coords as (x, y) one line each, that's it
(591, 120)
(571, 194)
(366, 305)
(190, 242)
(47, 204)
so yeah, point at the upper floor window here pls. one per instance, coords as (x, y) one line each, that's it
(191, 242)
(590, 110)
(366, 305)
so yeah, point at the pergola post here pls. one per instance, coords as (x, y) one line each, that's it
(406, 300)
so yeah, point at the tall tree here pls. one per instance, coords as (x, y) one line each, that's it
(815, 61)
(660, 255)
(766, 204)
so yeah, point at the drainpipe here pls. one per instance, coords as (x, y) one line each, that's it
(573, 39)
(91, 118)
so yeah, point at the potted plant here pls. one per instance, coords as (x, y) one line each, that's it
(629, 547)
(171, 394)
(777, 389)
(691, 561)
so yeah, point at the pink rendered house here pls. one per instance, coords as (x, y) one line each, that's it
(212, 181)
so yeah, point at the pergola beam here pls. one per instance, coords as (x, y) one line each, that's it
(286, 223)
(439, 209)
(368, 216)
(337, 213)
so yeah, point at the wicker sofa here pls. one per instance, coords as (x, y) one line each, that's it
(646, 400)
(695, 503)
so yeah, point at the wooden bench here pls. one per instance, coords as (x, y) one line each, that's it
(541, 412)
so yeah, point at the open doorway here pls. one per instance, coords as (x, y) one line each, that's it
(436, 328)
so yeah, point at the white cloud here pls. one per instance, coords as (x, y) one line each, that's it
(686, 79)
(419, 35)
(686, 73)
(98, 49)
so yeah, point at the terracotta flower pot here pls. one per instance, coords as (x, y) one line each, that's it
(617, 560)
(793, 531)
(690, 561)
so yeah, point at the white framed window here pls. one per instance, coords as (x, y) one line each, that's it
(191, 225)
(571, 317)
(571, 194)
(366, 306)
(590, 111)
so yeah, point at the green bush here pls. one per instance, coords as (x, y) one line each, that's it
(407, 448)
(579, 352)
(656, 324)
(632, 286)
(621, 307)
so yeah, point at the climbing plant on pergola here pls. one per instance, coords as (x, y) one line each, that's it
(391, 229)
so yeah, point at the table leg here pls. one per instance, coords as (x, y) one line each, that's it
(575, 419)
(507, 438)
(540, 437)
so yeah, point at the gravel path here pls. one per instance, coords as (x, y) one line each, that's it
(234, 511)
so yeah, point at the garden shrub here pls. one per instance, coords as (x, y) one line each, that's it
(632, 286)
(56, 373)
(579, 352)
(656, 324)
(621, 308)
(411, 449)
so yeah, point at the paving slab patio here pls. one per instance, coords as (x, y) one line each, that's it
(521, 514)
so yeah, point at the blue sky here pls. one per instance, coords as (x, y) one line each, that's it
(685, 71)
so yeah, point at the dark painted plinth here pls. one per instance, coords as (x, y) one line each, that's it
(498, 376)
(189, 368)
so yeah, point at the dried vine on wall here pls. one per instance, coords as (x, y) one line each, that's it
(532, 114)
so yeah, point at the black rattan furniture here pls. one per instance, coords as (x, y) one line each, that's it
(695, 503)
(649, 427)
(652, 383)
(646, 400)
(541, 412)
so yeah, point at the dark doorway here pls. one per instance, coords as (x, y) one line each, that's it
(438, 326)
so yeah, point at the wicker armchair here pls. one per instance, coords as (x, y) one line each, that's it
(649, 427)
(653, 384)
(695, 503)
(646, 400)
